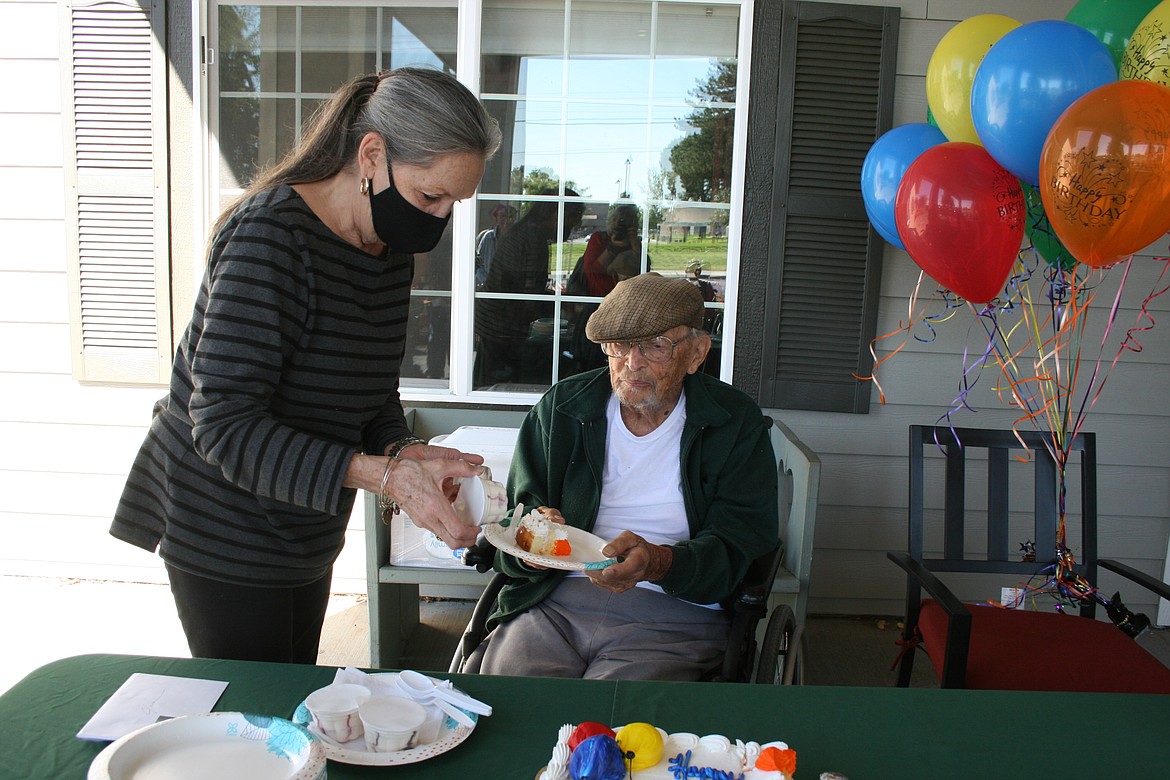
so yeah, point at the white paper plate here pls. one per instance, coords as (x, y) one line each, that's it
(215, 744)
(451, 734)
(585, 556)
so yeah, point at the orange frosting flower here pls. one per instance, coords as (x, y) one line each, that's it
(776, 760)
(562, 547)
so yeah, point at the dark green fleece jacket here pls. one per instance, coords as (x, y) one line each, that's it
(729, 484)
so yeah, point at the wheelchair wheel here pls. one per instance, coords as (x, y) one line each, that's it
(780, 662)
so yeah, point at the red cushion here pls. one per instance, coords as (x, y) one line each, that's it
(1022, 650)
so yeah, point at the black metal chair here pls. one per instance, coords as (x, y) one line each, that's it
(1025, 649)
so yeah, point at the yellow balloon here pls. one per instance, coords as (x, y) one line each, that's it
(644, 741)
(952, 70)
(1147, 56)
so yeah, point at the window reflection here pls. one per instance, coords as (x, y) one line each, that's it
(630, 103)
(428, 339)
(279, 63)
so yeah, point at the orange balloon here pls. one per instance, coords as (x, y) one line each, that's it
(1105, 172)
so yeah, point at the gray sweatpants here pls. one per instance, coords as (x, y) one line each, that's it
(581, 630)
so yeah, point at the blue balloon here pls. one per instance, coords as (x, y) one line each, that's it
(881, 173)
(1026, 81)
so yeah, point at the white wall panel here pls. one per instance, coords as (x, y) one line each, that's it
(33, 297)
(32, 245)
(28, 30)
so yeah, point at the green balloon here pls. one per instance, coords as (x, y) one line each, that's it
(1039, 231)
(930, 120)
(1111, 21)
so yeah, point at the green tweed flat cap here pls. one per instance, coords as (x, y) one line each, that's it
(643, 307)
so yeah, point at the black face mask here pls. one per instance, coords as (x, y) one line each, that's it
(401, 225)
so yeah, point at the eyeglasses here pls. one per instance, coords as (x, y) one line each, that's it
(656, 350)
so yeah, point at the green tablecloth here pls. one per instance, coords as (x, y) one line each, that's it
(864, 733)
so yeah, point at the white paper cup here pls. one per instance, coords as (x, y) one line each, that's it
(334, 709)
(481, 500)
(429, 731)
(391, 723)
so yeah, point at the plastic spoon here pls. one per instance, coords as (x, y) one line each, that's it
(416, 683)
(425, 692)
(425, 697)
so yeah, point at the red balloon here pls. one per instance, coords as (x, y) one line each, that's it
(961, 216)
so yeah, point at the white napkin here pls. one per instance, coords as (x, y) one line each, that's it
(379, 684)
(148, 698)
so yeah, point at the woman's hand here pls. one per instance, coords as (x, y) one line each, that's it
(643, 561)
(435, 452)
(420, 486)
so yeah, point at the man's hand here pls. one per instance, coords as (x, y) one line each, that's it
(643, 561)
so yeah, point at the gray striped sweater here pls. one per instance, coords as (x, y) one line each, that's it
(288, 368)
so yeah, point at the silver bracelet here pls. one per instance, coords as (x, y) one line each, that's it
(387, 504)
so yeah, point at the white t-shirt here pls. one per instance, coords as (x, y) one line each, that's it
(641, 485)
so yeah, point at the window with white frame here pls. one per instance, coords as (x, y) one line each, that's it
(606, 106)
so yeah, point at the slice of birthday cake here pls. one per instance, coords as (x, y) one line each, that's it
(593, 751)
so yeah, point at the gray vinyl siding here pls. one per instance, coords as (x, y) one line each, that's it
(68, 445)
(862, 509)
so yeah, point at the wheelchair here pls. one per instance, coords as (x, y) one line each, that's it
(775, 660)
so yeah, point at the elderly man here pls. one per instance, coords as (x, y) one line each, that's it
(671, 465)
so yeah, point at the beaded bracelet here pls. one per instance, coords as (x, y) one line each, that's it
(396, 447)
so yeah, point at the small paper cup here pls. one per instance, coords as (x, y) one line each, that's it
(429, 731)
(481, 500)
(334, 710)
(391, 723)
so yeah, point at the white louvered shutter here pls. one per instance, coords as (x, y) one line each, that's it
(114, 74)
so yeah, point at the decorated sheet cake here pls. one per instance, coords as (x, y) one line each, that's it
(640, 751)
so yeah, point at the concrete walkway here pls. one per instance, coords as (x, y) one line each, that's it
(47, 619)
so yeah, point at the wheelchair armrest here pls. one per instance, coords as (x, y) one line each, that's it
(1141, 578)
(756, 585)
(746, 607)
(481, 555)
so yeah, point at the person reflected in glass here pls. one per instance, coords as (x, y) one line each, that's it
(611, 255)
(283, 397)
(520, 265)
(614, 253)
(503, 216)
(695, 275)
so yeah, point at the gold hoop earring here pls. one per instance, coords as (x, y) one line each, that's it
(364, 187)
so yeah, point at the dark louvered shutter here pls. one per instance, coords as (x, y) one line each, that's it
(822, 92)
(113, 71)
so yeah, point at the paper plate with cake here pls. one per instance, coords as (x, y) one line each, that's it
(535, 539)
